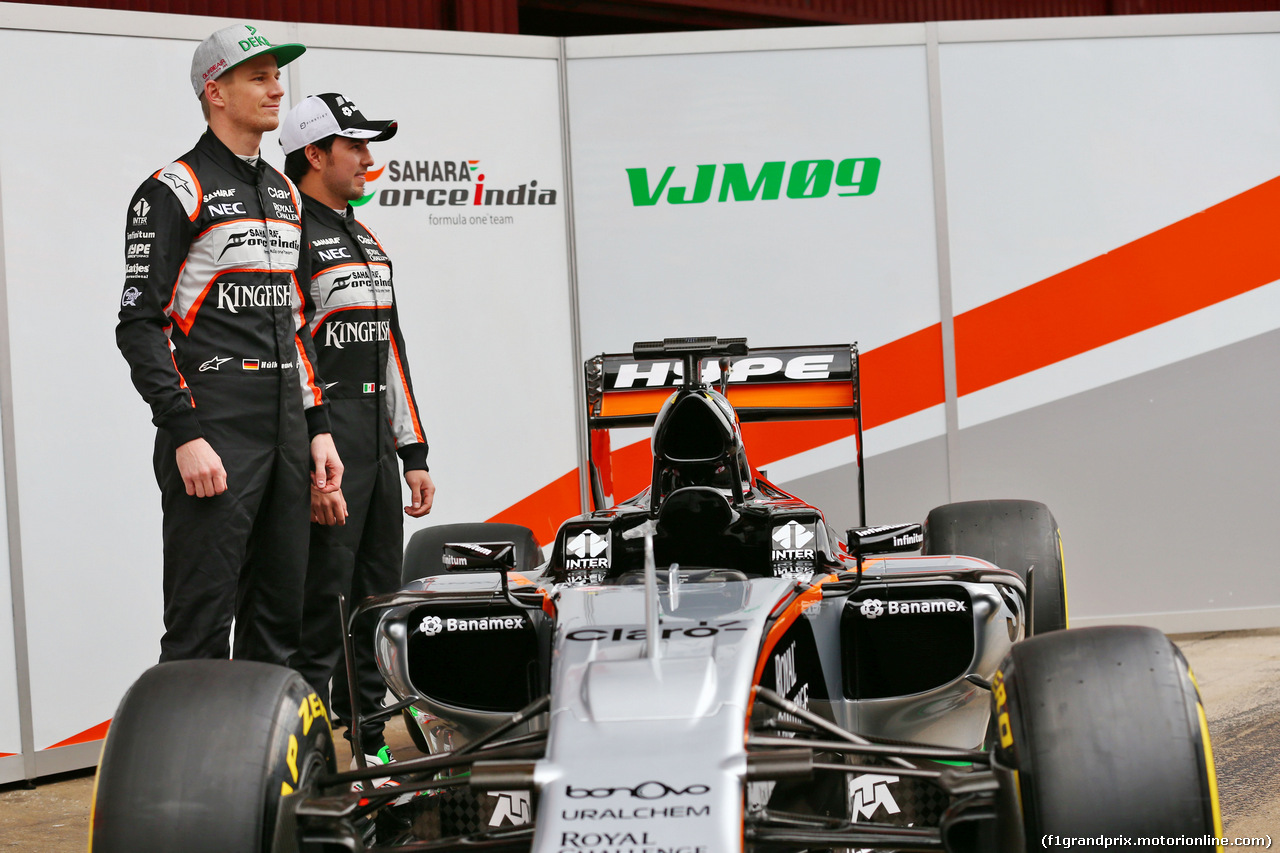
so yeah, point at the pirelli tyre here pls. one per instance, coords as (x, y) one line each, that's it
(422, 556)
(1106, 731)
(1021, 536)
(199, 754)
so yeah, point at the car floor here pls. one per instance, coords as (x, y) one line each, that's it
(1238, 673)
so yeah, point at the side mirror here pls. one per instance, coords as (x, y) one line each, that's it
(885, 539)
(479, 556)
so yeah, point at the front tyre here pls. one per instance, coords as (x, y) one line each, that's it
(199, 754)
(1106, 731)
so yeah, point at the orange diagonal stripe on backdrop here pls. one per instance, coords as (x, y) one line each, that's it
(1218, 253)
(1204, 259)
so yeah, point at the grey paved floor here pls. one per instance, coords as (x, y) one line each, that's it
(1238, 672)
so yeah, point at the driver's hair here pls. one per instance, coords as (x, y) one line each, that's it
(296, 164)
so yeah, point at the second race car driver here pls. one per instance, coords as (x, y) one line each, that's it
(211, 324)
(356, 330)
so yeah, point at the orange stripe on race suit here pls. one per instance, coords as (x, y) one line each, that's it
(188, 320)
(360, 264)
(1204, 259)
(316, 394)
(194, 180)
(317, 397)
(173, 294)
(321, 319)
(366, 227)
(408, 394)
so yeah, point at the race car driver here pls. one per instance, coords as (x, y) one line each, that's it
(211, 322)
(357, 534)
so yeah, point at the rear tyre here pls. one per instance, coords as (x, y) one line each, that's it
(422, 556)
(199, 754)
(1021, 536)
(1105, 728)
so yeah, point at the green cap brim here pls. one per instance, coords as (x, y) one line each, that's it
(284, 54)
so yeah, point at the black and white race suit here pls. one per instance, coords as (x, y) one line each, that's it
(211, 322)
(355, 326)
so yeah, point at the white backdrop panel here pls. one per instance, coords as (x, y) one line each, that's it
(484, 303)
(10, 732)
(1059, 151)
(786, 271)
(90, 508)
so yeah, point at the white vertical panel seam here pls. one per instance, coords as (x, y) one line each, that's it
(295, 73)
(22, 660)
(571, 250)
(943, 235)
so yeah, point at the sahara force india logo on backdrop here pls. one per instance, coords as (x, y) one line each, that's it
(731, 181)
(449, 183)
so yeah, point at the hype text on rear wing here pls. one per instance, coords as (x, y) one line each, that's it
(763, 383)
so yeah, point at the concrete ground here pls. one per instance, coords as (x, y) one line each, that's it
(1238, 673)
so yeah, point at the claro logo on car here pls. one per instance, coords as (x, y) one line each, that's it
(627, 635)
(803, 179)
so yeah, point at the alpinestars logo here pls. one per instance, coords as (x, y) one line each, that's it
(214, 363)
(869, 793)
(791, 539)
(586, 549)
(178, 183)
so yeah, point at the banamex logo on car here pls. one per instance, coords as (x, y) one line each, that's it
(874, 608)
(433, 625)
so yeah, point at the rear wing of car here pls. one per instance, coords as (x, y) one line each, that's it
(763, 384)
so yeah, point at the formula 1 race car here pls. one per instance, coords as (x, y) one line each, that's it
(707, 667)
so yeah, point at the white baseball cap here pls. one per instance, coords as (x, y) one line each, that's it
(232, 45)
(318, 116)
